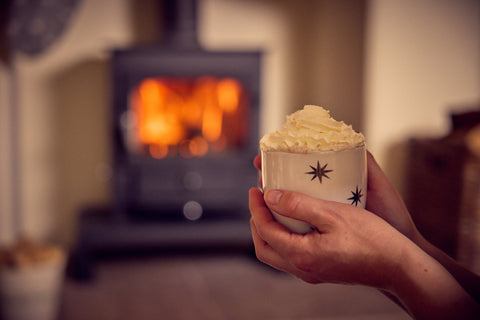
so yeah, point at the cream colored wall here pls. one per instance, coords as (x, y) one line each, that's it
(422, 61)
(5, 161)
(54, 184)
(253, 25)
(328, 57)
(64, 100)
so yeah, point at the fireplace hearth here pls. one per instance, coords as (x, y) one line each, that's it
(184, 134)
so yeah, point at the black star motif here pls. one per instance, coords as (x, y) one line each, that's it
(356, 196)
(319, 172)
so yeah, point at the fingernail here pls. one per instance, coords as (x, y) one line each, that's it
(273, 196)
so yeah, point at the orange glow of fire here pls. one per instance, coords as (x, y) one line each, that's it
(191, 117)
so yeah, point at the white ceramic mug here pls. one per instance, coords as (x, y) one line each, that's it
(330, 175)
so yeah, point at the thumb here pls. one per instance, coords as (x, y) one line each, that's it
(319, 213)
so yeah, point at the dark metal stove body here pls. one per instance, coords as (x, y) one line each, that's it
(217, 182)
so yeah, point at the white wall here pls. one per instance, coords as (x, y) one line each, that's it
(422, 61)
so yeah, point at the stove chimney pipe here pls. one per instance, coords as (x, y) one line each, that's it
(180, 18)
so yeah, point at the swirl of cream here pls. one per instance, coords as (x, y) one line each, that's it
(312, 129)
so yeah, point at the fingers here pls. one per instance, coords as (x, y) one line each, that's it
(269, 229)
(273, 258)
(380, 190)
(319, 213)
(258, 208)
(377, 180)
(265, 252)
(274, 244)
(386, 202)
(278, 237)
(257, 162)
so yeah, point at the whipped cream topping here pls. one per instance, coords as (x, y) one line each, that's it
(312, 129)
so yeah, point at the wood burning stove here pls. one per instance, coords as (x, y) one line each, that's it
(185, 125)
(185, 130)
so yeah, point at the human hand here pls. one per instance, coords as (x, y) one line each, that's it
(353, 246)
(349, 245)
(382, 199)
(385, 201)
(257, 162)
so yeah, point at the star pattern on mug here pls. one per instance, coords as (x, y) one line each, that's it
(319, 172)
(355, 198)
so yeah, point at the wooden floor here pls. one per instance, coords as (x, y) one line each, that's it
(218, 286)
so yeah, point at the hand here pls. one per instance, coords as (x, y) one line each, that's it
(356, 246)
(353, 246)
(257, 162)
(349, 245)
(385, 201)
(382, 199)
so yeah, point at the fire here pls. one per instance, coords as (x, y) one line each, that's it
(188, 117)
(228, 94)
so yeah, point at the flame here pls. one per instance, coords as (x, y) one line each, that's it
(191, 116)
(212, 122)
(228, 91)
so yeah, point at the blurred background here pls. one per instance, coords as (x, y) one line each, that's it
(405, 73)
